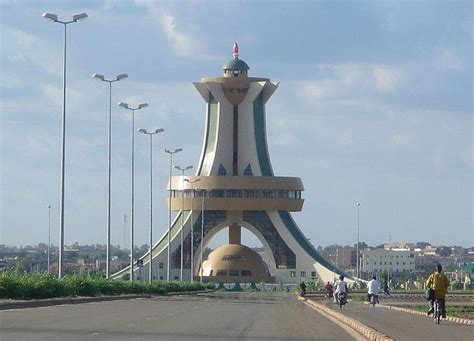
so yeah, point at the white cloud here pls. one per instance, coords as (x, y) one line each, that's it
(401, 139)
(386, 78)
(447, 59)
(182, 43)
(21, 47)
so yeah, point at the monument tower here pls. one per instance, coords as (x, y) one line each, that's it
(235, 187)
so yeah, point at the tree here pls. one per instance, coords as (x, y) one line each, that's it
(422, 245)
(443, 251)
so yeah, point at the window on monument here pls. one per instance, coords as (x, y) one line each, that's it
(248, 171)
(246, 273)
(210, 272)
(221, 272)
(233, 193)
(217, 193)
(313, 273)
(160, 265)
(233, 272)
(268, 194)
(303, 273)
(222, 171)
(292, 273)
(176, 277)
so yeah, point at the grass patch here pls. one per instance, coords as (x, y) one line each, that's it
(38, 286)
(455, 311)
(358, 298)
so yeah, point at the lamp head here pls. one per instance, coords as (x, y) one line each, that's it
(122, 76)
(50, 16)
(177, 150)
(141, 130)
(189, 167)
(49, 206)
(143, 105)
(160, 130)
(358, 204)
(79, 17)
(123, 105)
(97, 76)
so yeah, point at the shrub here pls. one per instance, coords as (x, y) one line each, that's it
(22, 286)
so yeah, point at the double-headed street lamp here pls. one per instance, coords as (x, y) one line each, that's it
(192, 225)
(102, 78)
(151, 133)
(182, 215)
(358, 207)
(49, 234)
(54, 18)
(140, 106)
(170, 152)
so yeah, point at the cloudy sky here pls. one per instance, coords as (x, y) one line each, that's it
(375, 105)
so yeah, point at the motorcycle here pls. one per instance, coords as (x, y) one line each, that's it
(341, 299)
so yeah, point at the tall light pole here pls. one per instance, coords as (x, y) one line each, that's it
(192, 225)
(54, 18)
(49, 234)
(182, 216)
(144, 131)
(109, 152)
(140, 106)
(170, 152)
(357, 247)
(202, 230)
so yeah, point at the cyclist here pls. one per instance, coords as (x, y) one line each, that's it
(328, 290)
(341, 289)
(302, 289)
(373, 288)
(439, 283)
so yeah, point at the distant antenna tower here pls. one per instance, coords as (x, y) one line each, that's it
(125, 230)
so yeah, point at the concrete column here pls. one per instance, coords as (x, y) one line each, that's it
(235, 234)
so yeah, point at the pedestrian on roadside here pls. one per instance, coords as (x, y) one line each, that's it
(386, 293)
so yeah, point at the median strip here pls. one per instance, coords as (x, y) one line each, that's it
(366, 331)
(415, 312)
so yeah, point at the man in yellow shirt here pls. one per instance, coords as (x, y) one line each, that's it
(439, 283)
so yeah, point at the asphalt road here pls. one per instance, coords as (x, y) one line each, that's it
(404, 326)
(243, 316)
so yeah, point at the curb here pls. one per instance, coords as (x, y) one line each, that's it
(366, 331)
(13, 304)
(415, 312)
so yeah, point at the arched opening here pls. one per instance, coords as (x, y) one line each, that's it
(251, 243)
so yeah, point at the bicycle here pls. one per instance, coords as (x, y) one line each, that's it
(373, 300)
(437, 311)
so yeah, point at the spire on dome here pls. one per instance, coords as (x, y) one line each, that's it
(235, 50)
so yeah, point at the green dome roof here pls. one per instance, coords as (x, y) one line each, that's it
(236, 64)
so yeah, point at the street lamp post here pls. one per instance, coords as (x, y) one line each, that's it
(192, 225)
(182, 216)
(49, 234)
(150, 266)
(168, 268)
(54, 18)
(140, 106)
(109, 152)
(357, 247)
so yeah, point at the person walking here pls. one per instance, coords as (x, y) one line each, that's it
(386, 292)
